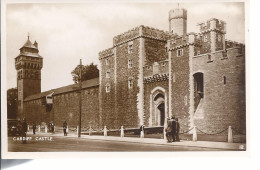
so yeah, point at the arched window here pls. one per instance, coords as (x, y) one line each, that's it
(199, 84)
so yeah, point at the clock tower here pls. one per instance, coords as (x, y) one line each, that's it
(28, 65)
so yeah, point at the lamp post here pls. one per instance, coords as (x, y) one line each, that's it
(80, 97)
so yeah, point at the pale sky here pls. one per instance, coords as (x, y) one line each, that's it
(67, 32)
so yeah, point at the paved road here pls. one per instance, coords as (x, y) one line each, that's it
(69, 144)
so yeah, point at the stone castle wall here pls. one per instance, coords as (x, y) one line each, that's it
(223, 102)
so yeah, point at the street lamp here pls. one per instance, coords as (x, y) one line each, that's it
(80, 97)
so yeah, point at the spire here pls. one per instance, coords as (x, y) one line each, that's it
(28, 36)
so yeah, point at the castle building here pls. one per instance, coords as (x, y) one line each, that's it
(147, 76)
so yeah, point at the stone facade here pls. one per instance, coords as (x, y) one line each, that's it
(149, 75)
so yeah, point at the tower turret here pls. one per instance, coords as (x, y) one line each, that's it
(178, 21)
(28, 65)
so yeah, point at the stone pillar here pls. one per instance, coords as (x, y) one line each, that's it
(194, 135)
(105, 131)
(90, 131)
(230, 136)
(122, 132)
(46, 129)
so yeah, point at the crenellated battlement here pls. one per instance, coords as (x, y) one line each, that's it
(126, 36)
(182, 41)
(149, 32)
(212, 24)
(233, 44)
(142, 31)
(106, 53)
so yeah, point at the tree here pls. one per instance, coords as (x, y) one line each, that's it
(12, 107)
(88, 72)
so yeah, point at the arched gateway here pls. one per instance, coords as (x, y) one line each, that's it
(158, 107)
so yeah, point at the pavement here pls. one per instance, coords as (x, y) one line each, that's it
(201, 144)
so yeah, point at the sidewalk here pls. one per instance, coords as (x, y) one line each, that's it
(201, 144)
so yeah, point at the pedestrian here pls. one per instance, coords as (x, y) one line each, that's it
(34, 128)
(177, 130)
(173, 129)
(168, 130)
(24, 130)
(52, 127)
(142, 131)
(19, 127)
(65, 128)
(49, 126)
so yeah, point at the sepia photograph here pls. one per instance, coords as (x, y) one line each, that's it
(123, 77)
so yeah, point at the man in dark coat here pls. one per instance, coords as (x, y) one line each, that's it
(34, 128)
(177, 130)
(65, 128)
(24, 130)
(169, 130)
(173, 129)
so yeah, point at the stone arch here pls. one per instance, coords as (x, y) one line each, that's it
(198, 83)
(158, 107)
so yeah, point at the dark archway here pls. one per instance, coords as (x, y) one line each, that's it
(198, 88)
(161, 107)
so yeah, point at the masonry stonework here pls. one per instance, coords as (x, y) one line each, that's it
(147, 76)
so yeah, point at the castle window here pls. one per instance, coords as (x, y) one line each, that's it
(174, 77)
(163, 64)
(179, 52)
(26, 74)
(107, 87)
(219, 38)
(130, 63)
(205, 38)
(130, 83)
(107, 62)
(225, 80)
(209, 58)
(130, 47)
(108, 74)
(36, 75)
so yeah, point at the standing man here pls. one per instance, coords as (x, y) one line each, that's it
(177, 130)
(52, 127)
(65, 128)
(169, 130)
(24, 130)
(173, 129)
(34, 128)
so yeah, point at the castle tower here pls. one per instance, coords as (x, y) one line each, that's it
(178, 21)
(212, 34)
(28, 65)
